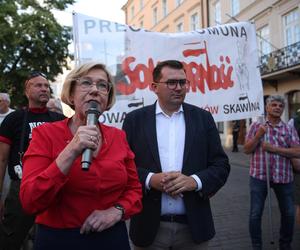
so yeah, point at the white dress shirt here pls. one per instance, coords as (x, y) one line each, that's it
(170, 131)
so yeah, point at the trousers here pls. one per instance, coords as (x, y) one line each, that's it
(284, 195)
(16, 224)
(113, 238)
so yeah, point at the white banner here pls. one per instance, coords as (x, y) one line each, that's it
(221, 62)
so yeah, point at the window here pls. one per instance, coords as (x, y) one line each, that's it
(165, 8)
(132, 12)
(178, 2)
(141, 4)
(194, 21)
(155, 16)
(263, 39)
(218, 12)
(235, 7)
(179, 27)
(291, 26)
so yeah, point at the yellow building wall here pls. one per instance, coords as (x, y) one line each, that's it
(175, 14)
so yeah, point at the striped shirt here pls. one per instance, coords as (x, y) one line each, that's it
(281, 135)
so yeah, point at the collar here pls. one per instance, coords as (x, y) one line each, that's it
(158, 110)
(280, 124)
(38, 110)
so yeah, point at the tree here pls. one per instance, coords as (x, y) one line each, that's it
(30, 40)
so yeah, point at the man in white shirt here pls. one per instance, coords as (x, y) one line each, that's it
(180, 162)
(4, 111)
(4, 106)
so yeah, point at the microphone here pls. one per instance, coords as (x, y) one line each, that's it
(92, 114)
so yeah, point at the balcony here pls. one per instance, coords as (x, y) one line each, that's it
(281, 63)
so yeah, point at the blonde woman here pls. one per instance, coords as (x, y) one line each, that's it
(81, 209)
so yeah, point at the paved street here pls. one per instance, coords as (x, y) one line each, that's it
(231, 208)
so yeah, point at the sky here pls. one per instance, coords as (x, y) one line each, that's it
(108, 10)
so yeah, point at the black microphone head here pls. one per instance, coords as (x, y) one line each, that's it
(94, 108)
(93, 104)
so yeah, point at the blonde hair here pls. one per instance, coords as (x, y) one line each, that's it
(80, 71)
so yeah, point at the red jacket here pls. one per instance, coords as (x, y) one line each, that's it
(65, 201)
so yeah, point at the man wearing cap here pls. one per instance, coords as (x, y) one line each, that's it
(15, 134)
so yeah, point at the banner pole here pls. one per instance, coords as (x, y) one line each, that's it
(75, 39)
(270, 221)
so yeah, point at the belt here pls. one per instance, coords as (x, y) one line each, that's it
(179, 218)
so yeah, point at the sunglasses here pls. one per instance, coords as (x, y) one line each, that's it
(34, 74)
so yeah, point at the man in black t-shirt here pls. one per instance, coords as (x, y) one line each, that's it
(15, 134)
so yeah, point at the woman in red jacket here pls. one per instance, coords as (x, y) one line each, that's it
(79, 209)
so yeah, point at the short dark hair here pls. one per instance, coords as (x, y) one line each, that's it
(174, 64)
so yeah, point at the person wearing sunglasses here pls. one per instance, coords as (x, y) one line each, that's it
(79, 209)
(15, 134)
(180, 163)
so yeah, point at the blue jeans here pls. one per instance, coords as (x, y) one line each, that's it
(284, 195)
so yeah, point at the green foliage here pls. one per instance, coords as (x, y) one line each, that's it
(30, 39)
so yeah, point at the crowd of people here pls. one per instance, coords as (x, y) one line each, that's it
(159, 171)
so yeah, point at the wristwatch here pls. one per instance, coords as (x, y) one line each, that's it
(121, 208)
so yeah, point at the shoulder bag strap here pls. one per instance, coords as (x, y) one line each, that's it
(22, 140)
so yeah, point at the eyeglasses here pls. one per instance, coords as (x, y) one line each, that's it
(34, 74)
(173, 83)
(102, 86)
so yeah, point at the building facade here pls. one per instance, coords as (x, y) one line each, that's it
(278, 37)
(166, 15)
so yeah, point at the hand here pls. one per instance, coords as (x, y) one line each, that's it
(175, 183)
(86, 137)
(268, 147)
(100, 220)
(261, 131)
(296, 166)
(156, 181)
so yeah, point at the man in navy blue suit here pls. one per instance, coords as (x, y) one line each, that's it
(180, 162)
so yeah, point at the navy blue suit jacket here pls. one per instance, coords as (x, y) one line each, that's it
(203, 156)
